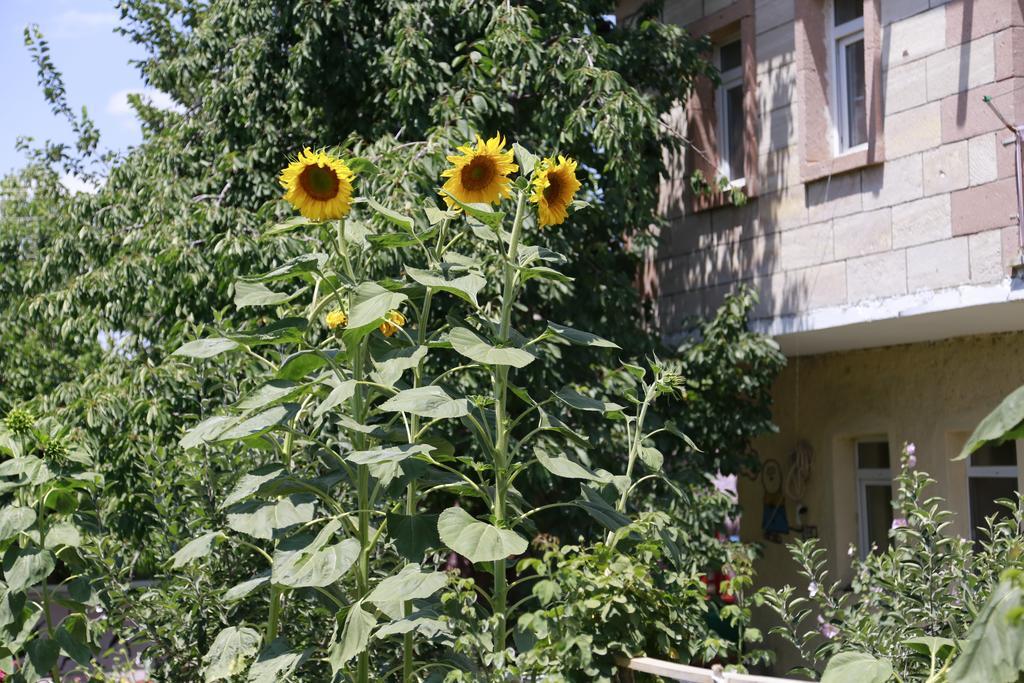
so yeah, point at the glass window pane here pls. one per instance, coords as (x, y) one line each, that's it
(734, 120)
(730, 56)
(848, 10)
(878, 504)
(856, 101)
(1003, 455)
(873, 455)
(984, 492)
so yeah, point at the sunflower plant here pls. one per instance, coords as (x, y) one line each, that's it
(362, 431)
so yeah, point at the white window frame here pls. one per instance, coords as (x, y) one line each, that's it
(993, 472)
(868, 476)
(838, 38)
(730, 79)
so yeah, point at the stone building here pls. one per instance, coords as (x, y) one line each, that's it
(880, 233)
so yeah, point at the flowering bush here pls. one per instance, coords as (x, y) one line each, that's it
(909, 607)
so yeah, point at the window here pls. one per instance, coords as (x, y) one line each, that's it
(874, 495)
(729, 105)
(991, 475)
(850, 110)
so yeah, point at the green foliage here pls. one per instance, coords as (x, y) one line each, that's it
(912, 605)
(46, 524)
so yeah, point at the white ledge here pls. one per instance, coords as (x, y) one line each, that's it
(910, 318)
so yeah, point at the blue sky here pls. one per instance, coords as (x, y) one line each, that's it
(94, 62)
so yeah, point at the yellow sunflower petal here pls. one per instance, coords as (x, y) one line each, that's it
(480, 173)
(318, 184)
(554, 186)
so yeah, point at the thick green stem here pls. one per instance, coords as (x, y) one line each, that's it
(411, 492)
(501, 426)
(363, 499)
(55, 671)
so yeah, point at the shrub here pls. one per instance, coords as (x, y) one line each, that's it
(909, 606)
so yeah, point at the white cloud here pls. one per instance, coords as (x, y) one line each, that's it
(118, 104)
(75, 184)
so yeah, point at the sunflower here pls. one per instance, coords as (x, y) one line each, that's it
(319, 185)
(554, 186)
(480, 175)
(392, 321)
(336, 319)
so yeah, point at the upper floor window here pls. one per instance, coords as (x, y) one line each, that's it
(991, 475)
(850, 97)
(874, 494)
(729, 105)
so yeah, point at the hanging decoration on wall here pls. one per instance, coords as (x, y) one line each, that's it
(774, 522)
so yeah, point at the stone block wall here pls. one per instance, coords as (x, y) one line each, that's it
(937, 211)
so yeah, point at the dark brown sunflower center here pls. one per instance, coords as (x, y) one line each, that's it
(478, 174)
(319, 182)
(553, 192)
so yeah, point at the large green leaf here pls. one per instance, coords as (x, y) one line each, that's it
(42, 657)
(26, 567)
(1002, 423)
(195, 549)
(301, 363)
(276, 663)
(473, 346)
(401, 220)
(576, 400)
(267, 519)
(71, 643)
(283, 331)
(251, 482)
(424, 622)
(580, 337)
(482, 212)
(395, 453)
(994, 650)
(598, 508)
(354, 636)
(15, 519)
(206, 431)
(230, 653)
(309, 562)
(561, 466)
(413, 535)
(389, 368)
(244, 589)
(408, 584)
(259, 423)
(205, 348)
(300, 265)
(370, 303)
(258, 294)
(63, 534)
(476, 540)
(274, 391)
(429, 401)
(856, 667)
(463, 286)
(341, 392)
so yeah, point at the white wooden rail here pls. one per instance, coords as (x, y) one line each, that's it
(694, 674)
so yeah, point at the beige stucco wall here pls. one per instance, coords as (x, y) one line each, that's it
(937, 214)
(932, 394)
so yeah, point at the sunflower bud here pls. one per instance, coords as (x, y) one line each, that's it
(19, 421)
(392, 322)
(336, 319)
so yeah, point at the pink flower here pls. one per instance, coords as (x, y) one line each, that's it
(899, 522)
(812, 589)
(827, 629)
